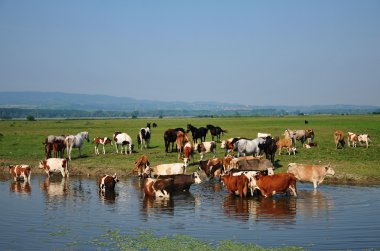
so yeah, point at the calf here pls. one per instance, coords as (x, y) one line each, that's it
(20, 172)
(182, 182)
(352, 139)
(103, 141)
(364, 138)
(339, 139)
(310, 173)
(206, 147)
(107, 183)
(286, 143)
(54, 165)
(158, 188)
(276, 184)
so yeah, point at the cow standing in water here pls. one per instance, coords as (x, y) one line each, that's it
(310, 173)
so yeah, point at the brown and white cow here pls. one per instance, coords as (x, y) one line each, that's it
(20, 172)
(276, 184)
(107, 182)
(339, 139)
(181, 141)
(55, 165)
(102, 141)
(228, 144)
(352, 139)
(364, 138)
(286, 143)
(206, 147)
(182, 182)
(310, 173)
(164, 169)
(212, 167)
(158, 188)
(188, 153)
(140, 165)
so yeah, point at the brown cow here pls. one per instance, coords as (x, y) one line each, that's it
(352, 138)
(188, 151)
(182, 182)
(181, 141)
(339, 139)
(20, 172)
(107, 182)
(286, 143)
(141, 164)
(237, 185)
(212, 167)
(158, 188)
(310, 173)
(276, 184)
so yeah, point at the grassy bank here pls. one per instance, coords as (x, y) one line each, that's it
(21, 142)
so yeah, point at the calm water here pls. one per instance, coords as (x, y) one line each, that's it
(69, 215)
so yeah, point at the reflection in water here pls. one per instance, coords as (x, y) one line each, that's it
(313, 203)
(54, 187)
(156, 207)
(22, 187)
(108, 197)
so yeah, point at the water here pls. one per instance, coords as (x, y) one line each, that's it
(54, 214)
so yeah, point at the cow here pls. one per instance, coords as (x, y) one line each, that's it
(125, 141)
(236, 185)
(188, 151)
(158, 188)
(276, 184)
(234, 163)
(20, 172)
(59, 146)
(310, 173)
(286, 143)
(102, 141)
(181, 140)
(206, 147)
(229, 144)
(164, 169)
(55, 165)
(352, 139)
(364, 138)
(140, 165)
(212, 167)
(170, 136)
(339, 139)
(182, 182)
(48, 149)
(143, 137)
(254, 164)
(227, 162)
(107, 182)
(269, 147)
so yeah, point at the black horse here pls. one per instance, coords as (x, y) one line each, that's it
(170, 136)
(216, 131)
(197, 133)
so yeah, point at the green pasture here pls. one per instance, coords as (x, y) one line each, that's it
(21, 142)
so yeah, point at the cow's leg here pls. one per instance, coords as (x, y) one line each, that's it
(315, 183)
(104, 150)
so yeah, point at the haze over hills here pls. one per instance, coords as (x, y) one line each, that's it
(56, 104)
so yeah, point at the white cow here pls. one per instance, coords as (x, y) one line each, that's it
(364, 138)
(206, 147)
(164, 169)
(55, 165)
(124, 140)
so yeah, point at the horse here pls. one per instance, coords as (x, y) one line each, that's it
(170, 136)
(215, 131)
(143, 138)
(246, 146)
(76, 141)
(197, 133)
(123, 139)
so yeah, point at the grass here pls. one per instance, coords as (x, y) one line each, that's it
(21, 142)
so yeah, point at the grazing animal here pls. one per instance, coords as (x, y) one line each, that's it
(339, 139)
(269, 147)
(311, 173)
(20, 172)
(290, 134)
(301, 135)
(170, 136)
(206, 147)
(247, 147)
(215, 131)
(212, 167)
(364, 138)
(55, 165)
(102, 141)
(107, 183)
(182, 182)
(76, 141)
(48, 149)
(154, 125)
(197, 133)
(306, 122)
(276, 184)
(141, 164)
(164, 169)
(125, 141)
(188, 152)
(181, 141)
(352, 138)
(236, 185)
(144, 137)
(158, 188)
(286, 143)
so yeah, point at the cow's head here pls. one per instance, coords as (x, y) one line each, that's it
(42, 164)
(196, 178)
(329, 170)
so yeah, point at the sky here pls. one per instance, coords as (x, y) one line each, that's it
(257, 53)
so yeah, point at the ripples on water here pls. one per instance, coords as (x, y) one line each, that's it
(55, 214)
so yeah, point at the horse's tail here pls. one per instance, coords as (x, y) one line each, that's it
(223, 131)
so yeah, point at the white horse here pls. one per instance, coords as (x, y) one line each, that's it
(76, 141)
(247, 146)
(124, 140)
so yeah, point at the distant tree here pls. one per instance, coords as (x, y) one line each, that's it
(135, 114)
(30, 118)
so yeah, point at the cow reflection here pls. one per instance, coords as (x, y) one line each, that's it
(55, 187)
(283, 208)
(108, 197)
(154, 207)
(22, 187)
(313, 203)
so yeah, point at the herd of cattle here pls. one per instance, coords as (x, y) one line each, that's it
(247, 165)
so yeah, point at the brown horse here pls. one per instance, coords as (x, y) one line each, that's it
(170, 136)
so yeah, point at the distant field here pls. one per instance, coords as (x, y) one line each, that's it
(21, 142)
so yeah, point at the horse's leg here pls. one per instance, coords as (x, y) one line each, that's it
(104, 150)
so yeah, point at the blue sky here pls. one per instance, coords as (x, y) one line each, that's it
(246, 52)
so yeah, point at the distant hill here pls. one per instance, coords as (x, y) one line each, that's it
(56, 104)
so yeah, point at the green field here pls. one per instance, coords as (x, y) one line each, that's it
(21, 142)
